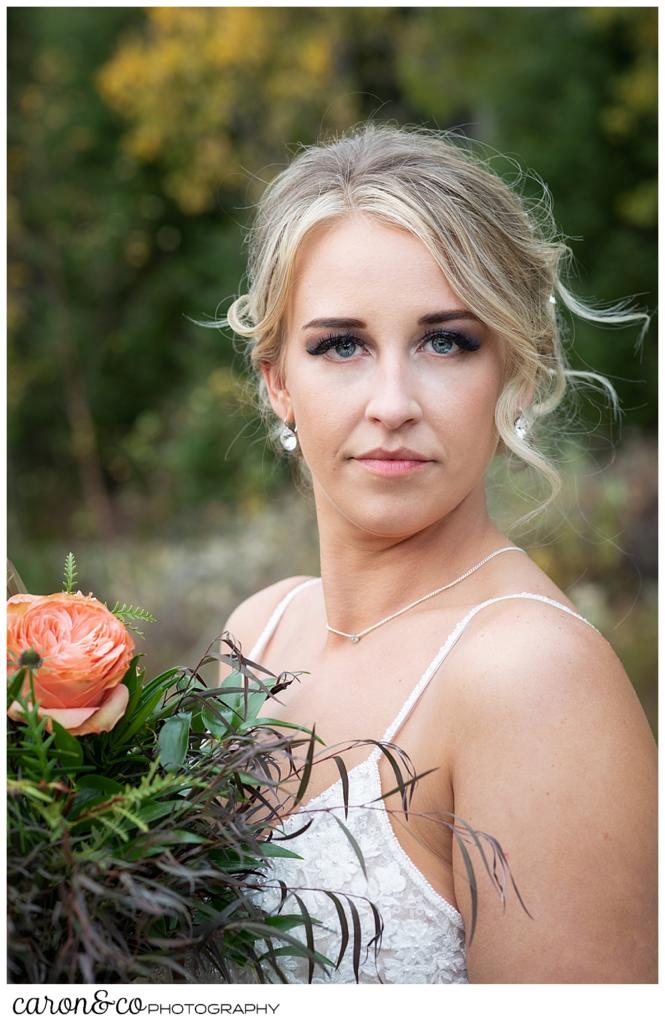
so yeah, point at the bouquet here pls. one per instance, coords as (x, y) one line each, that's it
(141, 813)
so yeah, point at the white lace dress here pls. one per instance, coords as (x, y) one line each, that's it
(423, 940)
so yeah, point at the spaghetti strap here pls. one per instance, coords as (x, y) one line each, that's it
(271, 624)
(448, 645)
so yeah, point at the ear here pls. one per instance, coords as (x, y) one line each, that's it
(278, 394)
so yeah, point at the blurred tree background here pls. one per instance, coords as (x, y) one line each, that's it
(139, 140)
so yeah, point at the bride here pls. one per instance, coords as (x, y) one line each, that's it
(402, 319)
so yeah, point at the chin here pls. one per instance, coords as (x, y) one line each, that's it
(393, 524)
(394, 517)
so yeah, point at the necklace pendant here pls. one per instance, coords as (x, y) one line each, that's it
(355, 637)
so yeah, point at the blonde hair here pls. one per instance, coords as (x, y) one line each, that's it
(499, 253)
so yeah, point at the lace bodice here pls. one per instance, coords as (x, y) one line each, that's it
(423, 938)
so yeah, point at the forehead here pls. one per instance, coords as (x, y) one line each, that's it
(359, 264)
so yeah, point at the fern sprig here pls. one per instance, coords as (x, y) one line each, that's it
(71, 574)
(127, 612)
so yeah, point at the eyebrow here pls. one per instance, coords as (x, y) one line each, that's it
(440, 317)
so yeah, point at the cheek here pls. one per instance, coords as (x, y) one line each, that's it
(326, 418)
(329, 399)
(463, 417)
(468, 401)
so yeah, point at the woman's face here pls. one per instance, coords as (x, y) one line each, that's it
(391, 382)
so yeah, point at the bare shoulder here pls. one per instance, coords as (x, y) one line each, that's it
(553, 755)
(522, 651)
(248, 619)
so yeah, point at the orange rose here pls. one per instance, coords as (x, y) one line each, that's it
(84, 651)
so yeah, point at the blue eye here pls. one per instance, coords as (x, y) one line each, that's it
(343, 344)
(442, 345)
(444, 342)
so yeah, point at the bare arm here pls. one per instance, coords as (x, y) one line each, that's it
(554, 757)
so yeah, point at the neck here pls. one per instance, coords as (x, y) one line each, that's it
(367, 577)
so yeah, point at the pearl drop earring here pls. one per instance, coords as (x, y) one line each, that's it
(521, 427)
(287, 437)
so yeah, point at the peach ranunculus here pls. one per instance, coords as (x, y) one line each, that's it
(84, 653)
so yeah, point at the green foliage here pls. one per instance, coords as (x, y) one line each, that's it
(128, 612)
(14, 686)
(71, 574)
(137, 851)
(174, 740)
(70, 751)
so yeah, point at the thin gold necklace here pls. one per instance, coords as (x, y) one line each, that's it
(355, 637)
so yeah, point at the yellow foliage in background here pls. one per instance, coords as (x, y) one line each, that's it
(205, 90)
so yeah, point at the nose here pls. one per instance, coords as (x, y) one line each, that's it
(393, 401)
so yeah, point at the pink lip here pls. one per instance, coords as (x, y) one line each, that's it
(392, 467)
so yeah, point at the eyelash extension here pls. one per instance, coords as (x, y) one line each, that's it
(463, 341)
